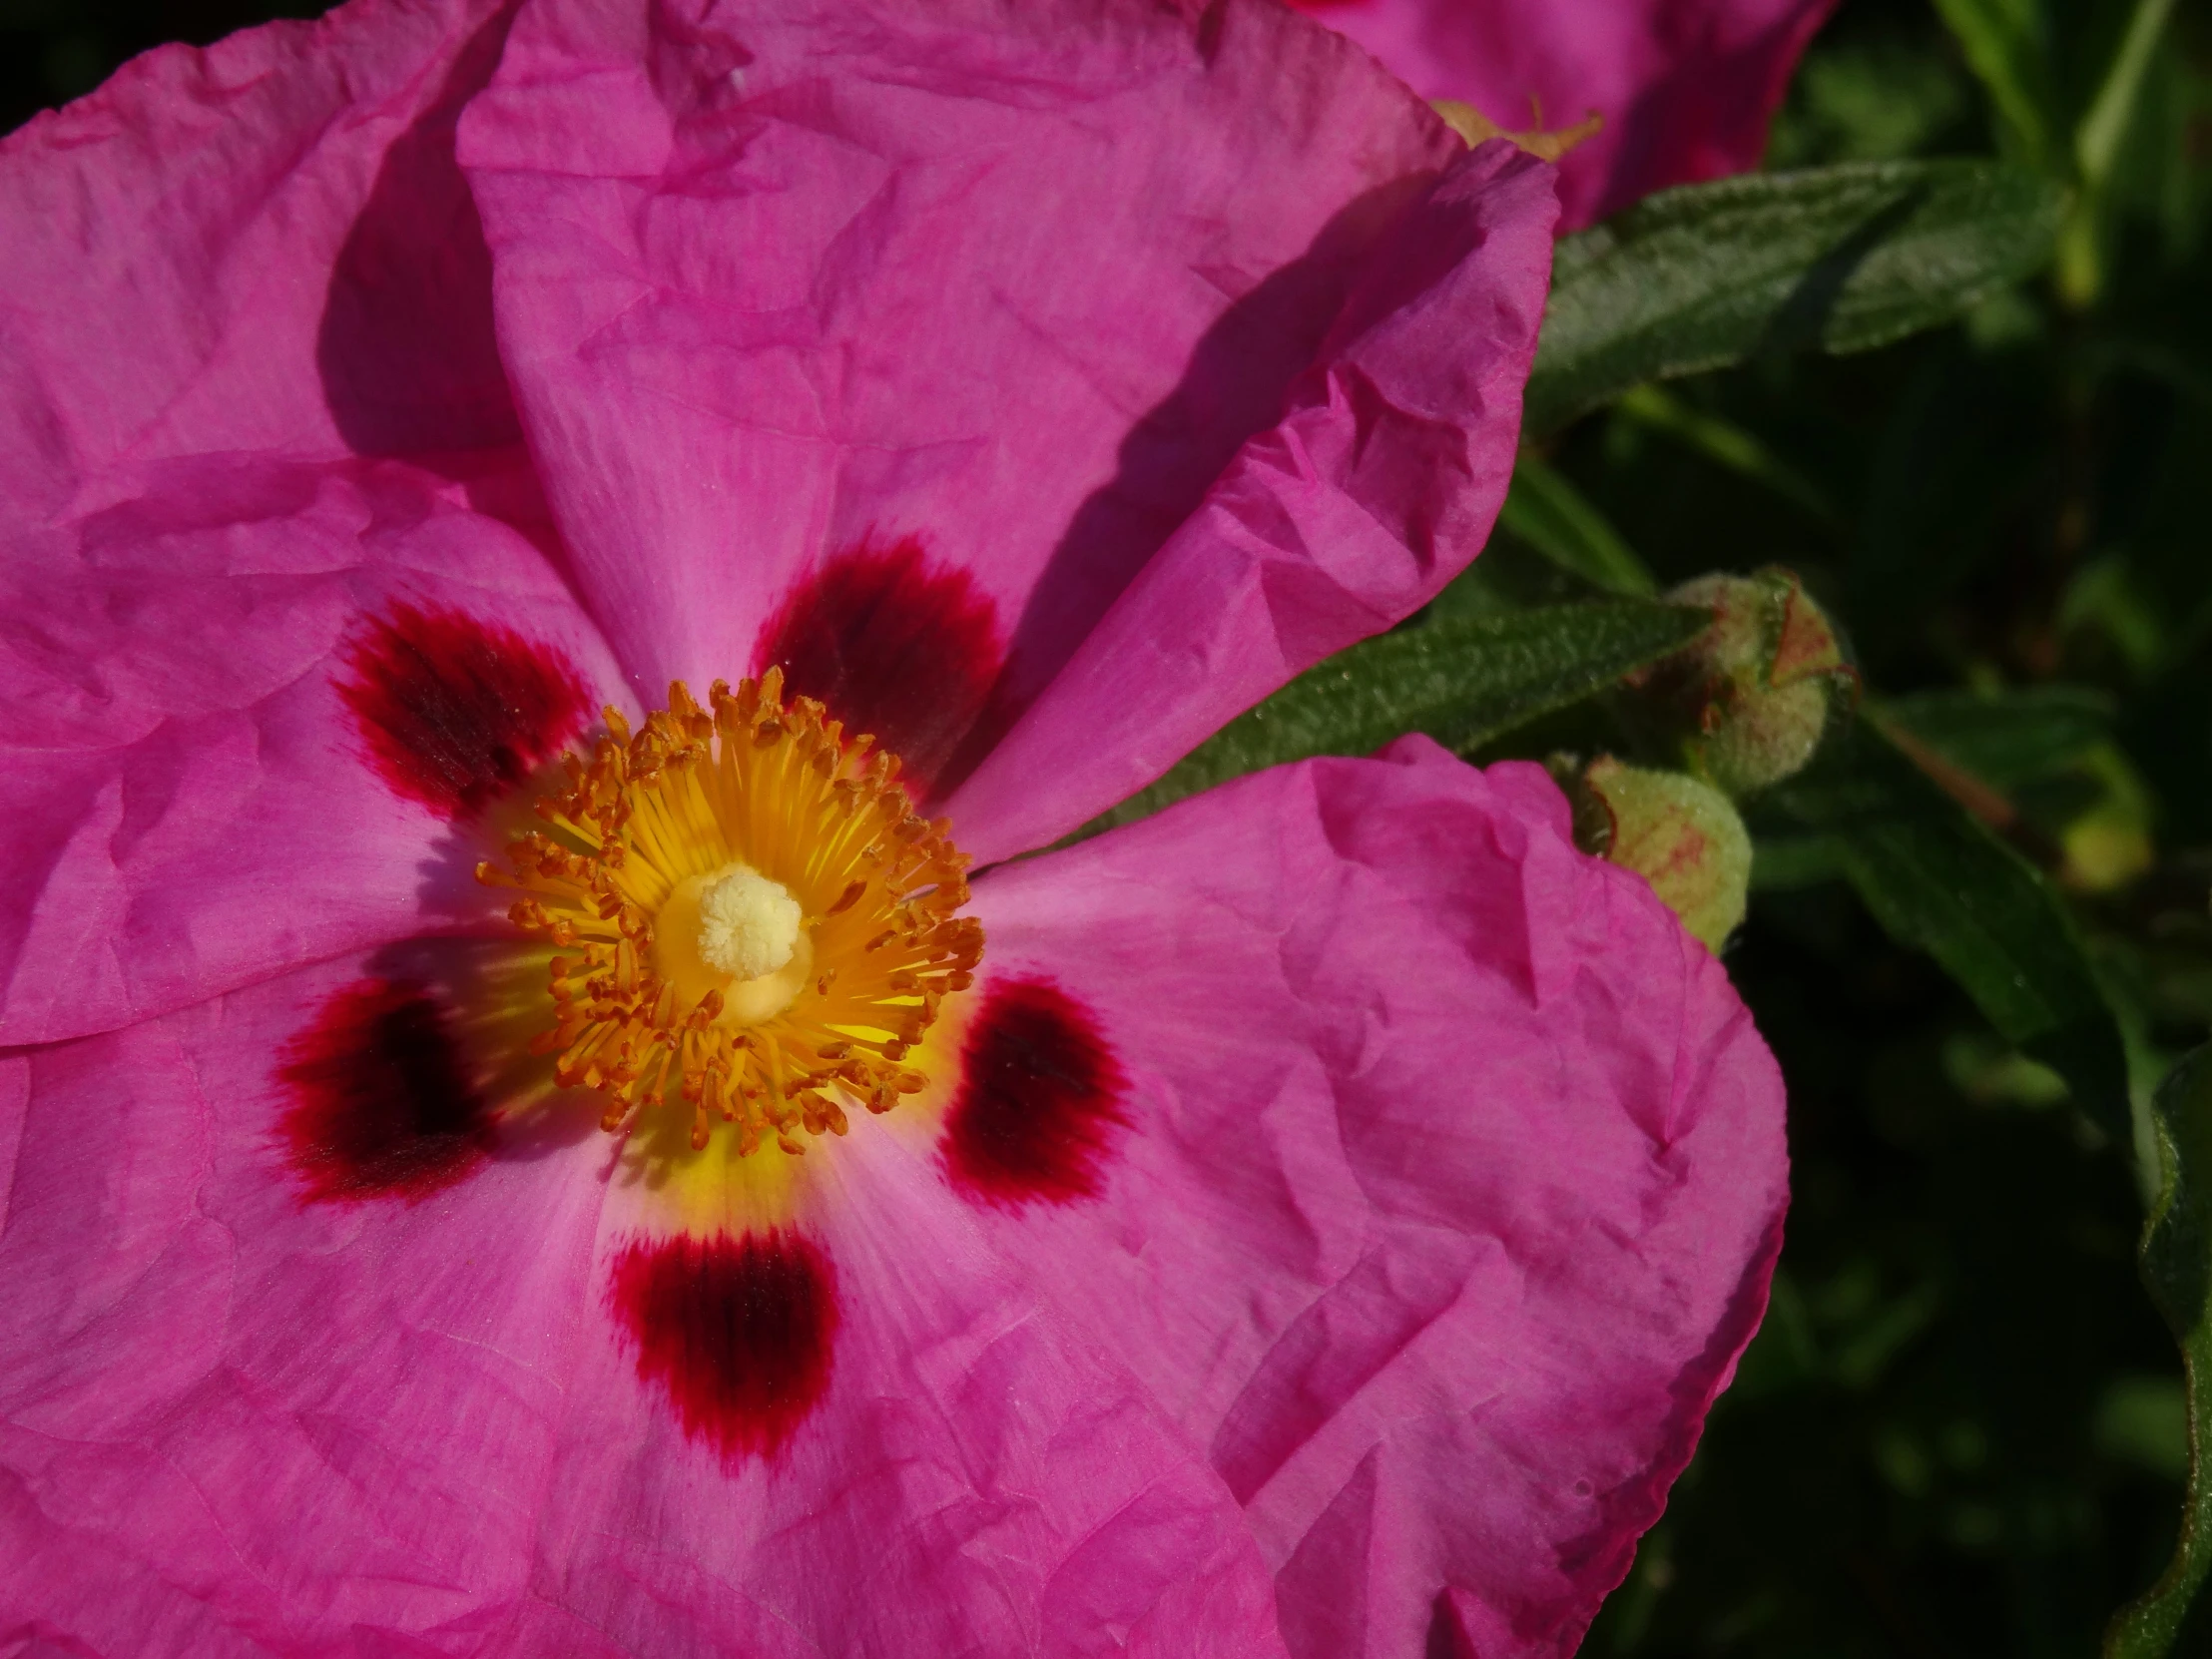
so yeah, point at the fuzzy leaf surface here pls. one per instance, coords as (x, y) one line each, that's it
(1462, 682)
(1836, 258)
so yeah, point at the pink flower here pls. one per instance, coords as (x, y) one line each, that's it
(1316, 1222)
(1682, 89)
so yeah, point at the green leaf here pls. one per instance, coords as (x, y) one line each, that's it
(1726, 444)
(2003, 41)
(2097, 139)
(1842, 258)
(1558, 521)
(2177, 1266)
(1462, 682)
(2009, 738)
(1938, 880)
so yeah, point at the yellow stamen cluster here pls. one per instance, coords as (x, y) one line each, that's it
(779, 790)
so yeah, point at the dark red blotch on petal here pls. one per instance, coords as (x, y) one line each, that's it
(893, 644)
(383, 1103)
(456, 712)
(736, 1330)
(1040, 1100)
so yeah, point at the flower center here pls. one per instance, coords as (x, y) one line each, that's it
(748, 924)
(749, 914)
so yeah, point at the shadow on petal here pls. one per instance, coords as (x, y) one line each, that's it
(1236, 384)
(405, 352)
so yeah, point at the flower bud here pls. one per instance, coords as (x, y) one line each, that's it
(1680, 835)
(1746, 702)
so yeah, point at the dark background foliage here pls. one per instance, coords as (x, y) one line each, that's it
(55, 50)
(1962, 1428)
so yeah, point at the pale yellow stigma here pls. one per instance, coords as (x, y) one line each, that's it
(748, 924)
(750, 913)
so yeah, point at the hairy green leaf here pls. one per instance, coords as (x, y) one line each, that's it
(1462, 682)
(1938, 880)
(1842, 259)
(2177, 1266)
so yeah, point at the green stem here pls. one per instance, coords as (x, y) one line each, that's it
(2097, 144)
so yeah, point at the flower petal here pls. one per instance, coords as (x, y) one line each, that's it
(229, 1416)
(1684, 88)
(1451, 1182)
(189, 555)
(279, 223)
(980, 1475)
(247, 707)
(1376, 487)
(230, 1405)
(868, 308)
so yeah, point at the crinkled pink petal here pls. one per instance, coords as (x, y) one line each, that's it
(982, 1477)
(264, 247)
(1008, 290)
(229, 1423)
(233, 1421)
(1378, 484)
(194, 804)
(1685, 88)
(1452, 1178)
(191, 548)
